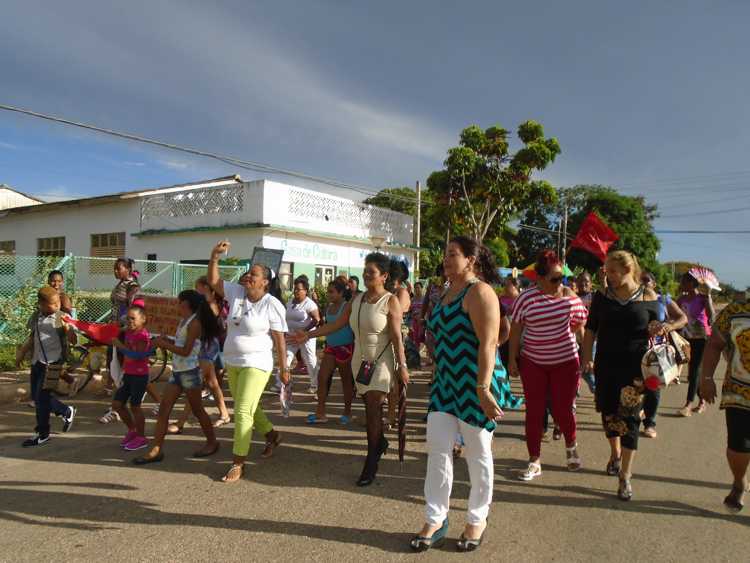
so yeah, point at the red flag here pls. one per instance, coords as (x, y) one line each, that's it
(104, 333)
(595, 237)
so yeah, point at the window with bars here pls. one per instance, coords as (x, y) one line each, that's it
(106, 245)
(51, 246)
(7, 248)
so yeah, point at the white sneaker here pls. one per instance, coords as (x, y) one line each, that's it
(533, 471)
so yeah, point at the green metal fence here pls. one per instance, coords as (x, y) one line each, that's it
(88, 282)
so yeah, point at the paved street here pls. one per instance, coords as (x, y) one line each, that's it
(80, 498)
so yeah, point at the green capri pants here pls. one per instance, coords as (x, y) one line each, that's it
(247, 385)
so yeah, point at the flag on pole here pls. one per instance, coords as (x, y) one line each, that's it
(595, 237)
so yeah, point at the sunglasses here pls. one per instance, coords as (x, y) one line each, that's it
(556, 280)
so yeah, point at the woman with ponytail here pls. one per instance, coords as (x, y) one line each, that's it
(468, 394)
(549, 316)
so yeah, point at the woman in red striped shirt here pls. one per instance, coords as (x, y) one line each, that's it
(549, 317)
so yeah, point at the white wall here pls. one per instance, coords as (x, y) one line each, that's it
(76, 223)
(11, 198)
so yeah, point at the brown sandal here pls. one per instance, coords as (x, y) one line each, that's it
(271, 444)
(206, 452)
(234, 474)
(174, 429)
(219, 422)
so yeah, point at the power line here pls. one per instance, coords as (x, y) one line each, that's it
(233, 161)
(704, 213)
(265, 168)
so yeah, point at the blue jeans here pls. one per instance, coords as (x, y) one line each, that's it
(189, 379)
(650, 404)
(45, 402)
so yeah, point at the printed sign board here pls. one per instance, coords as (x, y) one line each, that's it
(163, 314)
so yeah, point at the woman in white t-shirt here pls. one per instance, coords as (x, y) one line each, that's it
(256, 325)
(302, 314)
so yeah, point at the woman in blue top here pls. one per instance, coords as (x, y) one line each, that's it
(336, 355)
(669, 311)
(467, 394)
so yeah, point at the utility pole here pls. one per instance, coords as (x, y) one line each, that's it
(418, 227)
(564, 248)
(448, 231)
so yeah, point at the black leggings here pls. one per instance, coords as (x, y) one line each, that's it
(738, 430)
(697, 345)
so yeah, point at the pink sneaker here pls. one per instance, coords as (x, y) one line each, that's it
(137, 443)
(129, 436)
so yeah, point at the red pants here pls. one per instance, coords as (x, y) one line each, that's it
(558, 383)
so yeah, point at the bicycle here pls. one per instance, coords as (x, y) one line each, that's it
(92, 356)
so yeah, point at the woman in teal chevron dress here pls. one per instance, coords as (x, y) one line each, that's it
(469, 390)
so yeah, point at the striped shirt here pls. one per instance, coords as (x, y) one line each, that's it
(549, 324)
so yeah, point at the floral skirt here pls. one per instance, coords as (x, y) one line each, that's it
(619, 398)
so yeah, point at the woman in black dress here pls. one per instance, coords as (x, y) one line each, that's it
(621, 320)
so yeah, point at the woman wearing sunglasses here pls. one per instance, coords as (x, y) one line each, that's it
(549, 316)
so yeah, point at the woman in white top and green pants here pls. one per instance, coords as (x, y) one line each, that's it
(256, 325)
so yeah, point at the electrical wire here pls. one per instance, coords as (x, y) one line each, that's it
(265, 168)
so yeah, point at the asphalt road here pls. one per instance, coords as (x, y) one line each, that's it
(80, 498)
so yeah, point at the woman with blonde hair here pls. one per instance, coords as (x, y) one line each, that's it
(622, 320)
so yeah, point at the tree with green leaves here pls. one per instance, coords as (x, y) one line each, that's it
(629, 216)
(485, 185)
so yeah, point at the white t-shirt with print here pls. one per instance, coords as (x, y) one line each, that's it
(249, 327)
(298, 314)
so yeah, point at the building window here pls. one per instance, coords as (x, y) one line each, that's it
(106, 245)
(7, 248)
(52, 246)
(324, 275)
(151, 266)
(286, 275)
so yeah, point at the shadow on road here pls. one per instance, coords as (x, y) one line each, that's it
(75, 511)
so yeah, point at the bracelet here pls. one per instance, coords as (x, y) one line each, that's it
(483, 386)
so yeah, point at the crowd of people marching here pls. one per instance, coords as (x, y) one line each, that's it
(553, 335)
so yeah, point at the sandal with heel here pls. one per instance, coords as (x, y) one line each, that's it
(437, 539)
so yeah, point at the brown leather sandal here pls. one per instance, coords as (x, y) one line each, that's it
(235, 473)
(271, 444)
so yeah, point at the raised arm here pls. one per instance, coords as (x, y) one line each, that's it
(212, 275)
(710, 310)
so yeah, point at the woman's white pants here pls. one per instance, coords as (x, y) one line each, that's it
(441, 436)
(309, 358)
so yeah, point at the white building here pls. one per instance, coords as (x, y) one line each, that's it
(321, 235)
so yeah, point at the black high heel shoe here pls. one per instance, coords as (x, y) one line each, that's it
(382, 447)
(465, 544)
(369, 472)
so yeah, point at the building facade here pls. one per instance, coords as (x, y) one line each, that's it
(320, 235)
